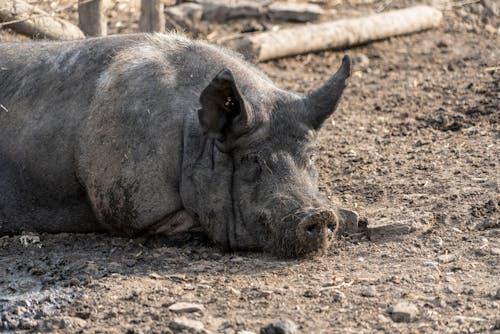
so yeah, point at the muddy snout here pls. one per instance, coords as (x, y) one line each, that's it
(316, 230)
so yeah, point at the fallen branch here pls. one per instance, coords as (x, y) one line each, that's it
(36, 23)
(335, 35)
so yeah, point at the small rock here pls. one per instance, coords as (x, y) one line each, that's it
(24, 302)
(430, 264)
(361, 60)
(72, 322)
(491, 29)
(369, 291)
(235, 292)
(9, 321)
(451, 289)
(311, 294)
(491, 7)
(19, 310)
(338, 296)
(186, 307)
(26, 323)
(404, 312)
(245, 332)
(446, 258)
(497, 295)
(183, 323)
(495, 251)
(265, 294)
(154, 275)
(468, 290)
(383, 319)
(280, 327)
(29, 239)
(442, 44)
(439, 302)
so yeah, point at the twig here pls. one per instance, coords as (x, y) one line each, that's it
(3, 24)
(492, 69)
(4, 108)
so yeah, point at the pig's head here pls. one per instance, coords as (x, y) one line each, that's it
(249, 174)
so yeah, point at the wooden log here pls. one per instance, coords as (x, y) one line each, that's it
(152, 17)
(28, 20)
(294, 12)
(335, 35)
(91, 18)
(221, 11)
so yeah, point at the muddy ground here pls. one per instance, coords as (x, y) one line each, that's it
(415, 139)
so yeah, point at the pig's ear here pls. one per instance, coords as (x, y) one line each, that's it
(322, 102)
(223, 109)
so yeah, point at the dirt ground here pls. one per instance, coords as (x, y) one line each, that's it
(415, 139)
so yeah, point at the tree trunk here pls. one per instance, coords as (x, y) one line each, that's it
(28, 20)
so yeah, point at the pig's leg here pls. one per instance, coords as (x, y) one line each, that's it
(179, 222)
(133, 197)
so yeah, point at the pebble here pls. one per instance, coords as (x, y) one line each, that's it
(404, 312)
(27, 323)
(280, 327)
(361, 60)
(468, 290)
(182, 307)
(338, 296)
(235, 291)
(495, 251)
(183, 323)
(446, 258)
(311, 294)
(451, 289)
(439, 302)
(383, 319)
(497, 295)
(245, 332)
(430, 264)
(369, 291)
(491, 29)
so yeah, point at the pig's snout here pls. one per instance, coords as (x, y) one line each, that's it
(316, 230)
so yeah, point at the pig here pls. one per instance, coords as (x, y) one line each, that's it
(148, 134)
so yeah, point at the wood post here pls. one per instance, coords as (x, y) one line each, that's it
(152, 17)
(91, 17)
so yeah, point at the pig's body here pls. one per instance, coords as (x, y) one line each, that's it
(105, 135)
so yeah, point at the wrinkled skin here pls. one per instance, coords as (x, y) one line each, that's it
(159, 135)
(269, 194)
